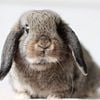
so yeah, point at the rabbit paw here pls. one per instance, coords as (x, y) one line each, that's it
(52, 97)
(22, 96)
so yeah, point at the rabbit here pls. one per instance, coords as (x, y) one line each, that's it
(44, 58)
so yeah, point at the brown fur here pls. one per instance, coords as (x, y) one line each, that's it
(59, 70)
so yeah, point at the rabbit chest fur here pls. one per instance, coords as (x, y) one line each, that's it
(55, 81)
(59, 80)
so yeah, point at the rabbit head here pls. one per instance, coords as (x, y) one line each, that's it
(42, 38)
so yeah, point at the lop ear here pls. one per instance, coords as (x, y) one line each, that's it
(9, 50)
(69, 37)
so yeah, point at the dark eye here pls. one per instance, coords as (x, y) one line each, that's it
(26, 28)
(26, 25)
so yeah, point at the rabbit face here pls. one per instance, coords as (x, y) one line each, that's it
(40, 42)
(41, 37)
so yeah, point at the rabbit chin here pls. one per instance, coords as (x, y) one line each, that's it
(40, 64)
(41, 60)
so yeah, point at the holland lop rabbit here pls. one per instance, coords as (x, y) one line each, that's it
(45, 59)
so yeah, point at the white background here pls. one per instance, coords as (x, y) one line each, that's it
(82, 15)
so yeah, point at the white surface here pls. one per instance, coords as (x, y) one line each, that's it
(84, 19)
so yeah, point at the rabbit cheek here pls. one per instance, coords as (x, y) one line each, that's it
(55, 50)
(30, 50)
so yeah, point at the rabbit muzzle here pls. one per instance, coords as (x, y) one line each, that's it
(44, 50)
(44, 42)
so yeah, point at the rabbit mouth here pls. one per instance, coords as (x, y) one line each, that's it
(42, 60)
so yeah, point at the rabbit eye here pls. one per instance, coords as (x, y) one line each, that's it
(26, 25)
(26, 28)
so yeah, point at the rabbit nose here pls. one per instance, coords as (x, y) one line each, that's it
(44, 42)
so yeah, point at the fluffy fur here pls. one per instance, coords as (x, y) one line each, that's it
(46, 59)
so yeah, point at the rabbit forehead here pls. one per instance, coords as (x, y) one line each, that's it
(40, 20)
